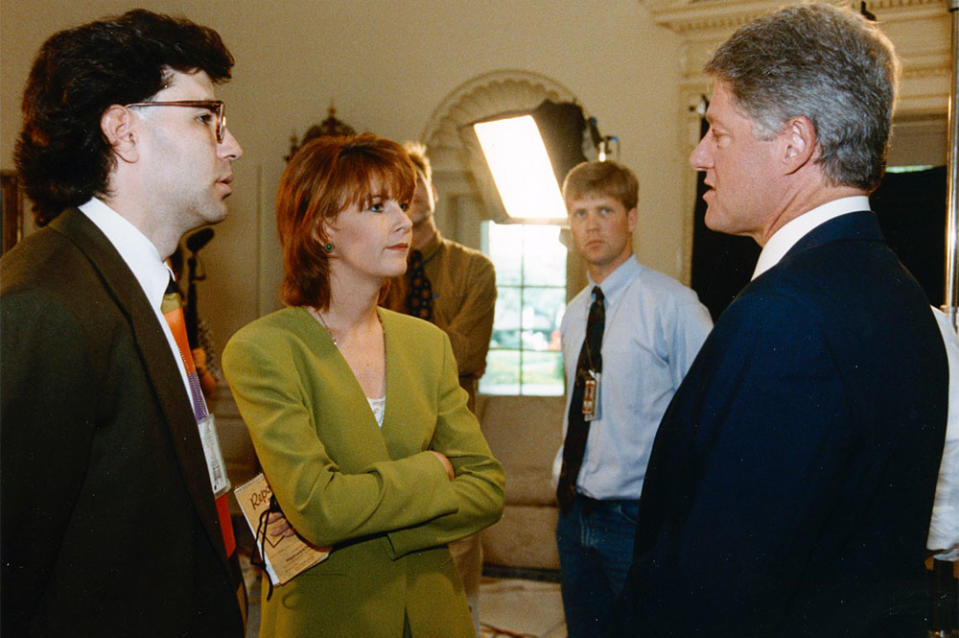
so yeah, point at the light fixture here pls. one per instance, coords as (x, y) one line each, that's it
(520, 159)
(521, 169)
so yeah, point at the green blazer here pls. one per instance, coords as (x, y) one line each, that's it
(376, 495)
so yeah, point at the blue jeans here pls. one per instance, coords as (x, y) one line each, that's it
(595, 540)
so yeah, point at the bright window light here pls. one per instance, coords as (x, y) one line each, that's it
(525, 357)
(908, 169)
(521, 169)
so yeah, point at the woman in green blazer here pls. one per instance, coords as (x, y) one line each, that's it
(356, 412)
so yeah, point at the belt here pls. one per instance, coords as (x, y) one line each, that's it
(589, 504)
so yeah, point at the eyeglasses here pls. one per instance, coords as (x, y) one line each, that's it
(214, 106)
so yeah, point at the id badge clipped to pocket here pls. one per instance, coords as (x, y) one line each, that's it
(591, 395)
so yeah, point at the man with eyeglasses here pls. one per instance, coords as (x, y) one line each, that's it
(113, 488)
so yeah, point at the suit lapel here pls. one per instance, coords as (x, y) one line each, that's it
(365, 432)
(156, 358)
(402, 423)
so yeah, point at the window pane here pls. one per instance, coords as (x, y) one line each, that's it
(542, 311)
(544, 257)
(502, 373)
(524, 356)
(506, 322)
(543, 373)
(506, 251)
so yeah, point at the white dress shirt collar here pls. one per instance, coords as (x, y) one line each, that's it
(139, 253)
(143, 260)
(787, 236)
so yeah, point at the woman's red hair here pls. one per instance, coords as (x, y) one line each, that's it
(323, 178)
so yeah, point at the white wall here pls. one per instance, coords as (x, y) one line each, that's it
(388, 65)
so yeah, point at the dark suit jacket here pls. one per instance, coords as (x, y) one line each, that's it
(109, 526)
(791, 481)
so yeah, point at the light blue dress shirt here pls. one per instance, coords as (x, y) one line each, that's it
(654, 329)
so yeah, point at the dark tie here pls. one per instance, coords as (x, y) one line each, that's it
(419, 299)
(577, 427)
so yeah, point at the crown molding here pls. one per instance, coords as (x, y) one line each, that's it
(692, 16)
(919, 29)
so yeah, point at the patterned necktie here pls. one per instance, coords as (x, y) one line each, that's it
(172, 308)
(419, 299)
(577, 427)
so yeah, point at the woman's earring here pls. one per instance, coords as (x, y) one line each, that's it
(328, 247)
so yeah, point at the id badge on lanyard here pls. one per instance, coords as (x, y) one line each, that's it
(591, 395)
(214, 457)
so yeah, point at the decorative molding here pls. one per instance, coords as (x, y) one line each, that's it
(455, 174)
(330, 126)
(924, 66)
(683, 16)
(704, 24)
(484, 96)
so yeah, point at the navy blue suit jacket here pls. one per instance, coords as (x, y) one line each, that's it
(791, 481)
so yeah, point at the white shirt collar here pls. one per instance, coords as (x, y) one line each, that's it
(787, 236)
(139, 253)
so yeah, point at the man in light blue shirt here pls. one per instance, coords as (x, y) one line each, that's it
(650, 330)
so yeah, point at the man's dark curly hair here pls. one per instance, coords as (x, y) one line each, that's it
(62, 156)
